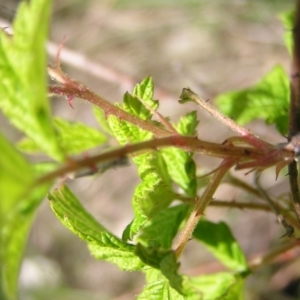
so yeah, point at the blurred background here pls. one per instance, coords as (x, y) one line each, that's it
(211, 46)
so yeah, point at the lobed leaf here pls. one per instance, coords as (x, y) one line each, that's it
(187, 124)
(102, 244)
(23, 87)
(180, 164)
(154, 193)
(126, 132)
(218, 238)
(162, 228)
(268, 100)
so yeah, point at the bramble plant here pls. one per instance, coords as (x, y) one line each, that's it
(163, 153)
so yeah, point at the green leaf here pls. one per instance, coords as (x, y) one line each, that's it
(145, 91)
(162, 259)
(154, 193)
(151, 256)
(268, 100)
(187, 124)
(162, 228)
(218, 238)
(180, 164)
(75, 138)
(182, 169)
(17, 207)
(218, 286)
(23, 87)
(15, 229)
(288, 19)
(126, 132)
(169, 267)
(15, 175)
(158, 288)
(102, 244)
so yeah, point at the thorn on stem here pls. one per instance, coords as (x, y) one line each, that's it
(70, 99)
(57, 59)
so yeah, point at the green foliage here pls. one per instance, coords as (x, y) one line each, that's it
(154, 193)
(223, 286)
(219, 240)
(23, 72)
(180, 164)
(164, 173)
(102, 244)
(158, 288)
(17, 207)
(23, 101)
(162, 228)
(74, 137)
(287, 18)
(268, 100)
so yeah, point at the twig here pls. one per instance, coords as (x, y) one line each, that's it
(200, 206)
(188, 94)
(190, 144)
(289, 230)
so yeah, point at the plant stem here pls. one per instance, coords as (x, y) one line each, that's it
(200, 206)
(108, 108)
(188, 94)
(190, 144)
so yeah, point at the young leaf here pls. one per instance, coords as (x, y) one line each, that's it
(154, 193)
(17, 207)
(223, 286)
(187, 124)
(268, 100)
(162, 228)
(75, 138)
(145, 91)
(102, 244)
(23, 71)
(218, 238)
(125, 132)
(180, 164)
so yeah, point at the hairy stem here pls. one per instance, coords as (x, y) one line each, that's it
(188, 94)
(190, 144)
(108, 108)
(200, 206)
